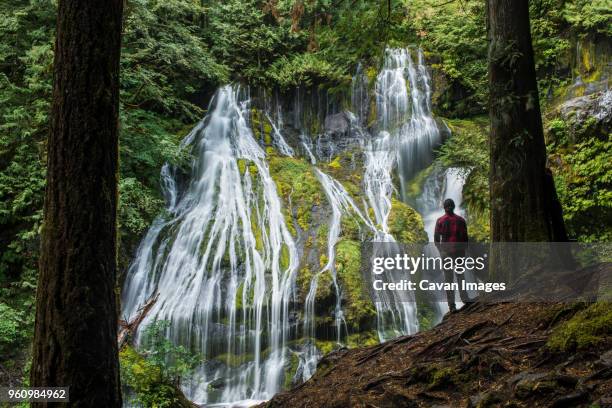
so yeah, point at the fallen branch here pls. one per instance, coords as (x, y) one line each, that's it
(126, 329)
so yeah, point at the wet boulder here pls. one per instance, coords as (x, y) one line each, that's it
(337, 124)
(584, 117)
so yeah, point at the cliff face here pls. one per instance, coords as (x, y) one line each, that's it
(485, 355)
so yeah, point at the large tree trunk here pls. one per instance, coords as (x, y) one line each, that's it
(522, 196)
(75, 341)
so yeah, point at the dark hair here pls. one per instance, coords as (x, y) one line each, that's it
(449, 204)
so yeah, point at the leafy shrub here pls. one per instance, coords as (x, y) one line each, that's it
(11, 331)
(584, 186)
(153, 374)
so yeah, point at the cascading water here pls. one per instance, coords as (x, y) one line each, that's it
(438, 186)
(222, 257)
(407, 135)
(209, 262)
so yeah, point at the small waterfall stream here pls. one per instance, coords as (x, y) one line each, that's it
(222, 256)
(407, 135)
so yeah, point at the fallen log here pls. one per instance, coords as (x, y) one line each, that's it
(126, 329)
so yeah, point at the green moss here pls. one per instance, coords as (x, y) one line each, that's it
(257, 233)
(298, 186)
(415, 186)
(234, 360)
(335, 164)
(261, 126)
(363, 339)
(267, 129)
(284, 257)
(405, 224)
(240, 295)
(242, 166)
(350, 227)
(291, 369)
(325, 346)
(589, 327)
(324, 295)
(441, 376)
(322, 237)
(359, 309)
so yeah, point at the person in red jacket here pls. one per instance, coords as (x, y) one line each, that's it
(451, 238)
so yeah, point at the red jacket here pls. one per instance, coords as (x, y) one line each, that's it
(451, 228)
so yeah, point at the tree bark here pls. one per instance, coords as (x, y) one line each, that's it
(522, 207)
(75, 341)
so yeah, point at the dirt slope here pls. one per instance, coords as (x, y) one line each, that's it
(485, 355)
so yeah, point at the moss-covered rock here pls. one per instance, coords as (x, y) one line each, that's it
(291, 367)
(324, 297)
(362, 339)
(358, 307)
(587, 328)
(234, 360)
(298, 186)
(326, 346)
(405, 224)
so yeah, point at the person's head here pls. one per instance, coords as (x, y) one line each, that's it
(449, 205)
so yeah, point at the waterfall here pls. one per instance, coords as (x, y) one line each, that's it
(407, 135)
(222, 257)
(438, 186)
(209, 261)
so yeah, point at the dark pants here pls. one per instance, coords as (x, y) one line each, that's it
(449, 278)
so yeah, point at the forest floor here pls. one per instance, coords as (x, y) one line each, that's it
(484, 355)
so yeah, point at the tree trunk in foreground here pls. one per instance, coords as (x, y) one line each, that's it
(523, 207)
(75, 341)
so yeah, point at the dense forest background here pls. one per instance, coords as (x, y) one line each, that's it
(176, 52)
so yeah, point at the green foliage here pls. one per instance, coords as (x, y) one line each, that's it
(145, 382)
(175, 362)
(246, 40)
(584, 186)
(455, 33)
(153, 374)
(405, 224)
(12, 332)
(305, 70)
(589, 15)
(589, 327)
(165, 58)
(25, 90)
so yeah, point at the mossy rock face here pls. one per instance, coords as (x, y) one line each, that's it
(415, 187)
(587, 328)
(362, 339)
(261, 126)
(291, 367)
(357, 305)
(405, 224)
(233, 360)
(326, 346)
(298, 186)
(325, 296)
